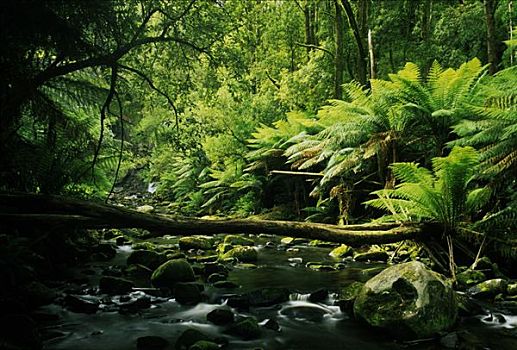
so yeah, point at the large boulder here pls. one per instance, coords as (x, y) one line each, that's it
(409, 300)
(172, 272)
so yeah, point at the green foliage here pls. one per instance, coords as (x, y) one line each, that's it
(231, 190)
(444, 195)
(494, 129)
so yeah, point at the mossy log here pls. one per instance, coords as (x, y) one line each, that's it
(30, 209)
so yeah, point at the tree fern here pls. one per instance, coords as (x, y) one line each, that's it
(494, 128)
(443, 195)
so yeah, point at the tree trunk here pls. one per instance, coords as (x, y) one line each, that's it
(339, 57)
(372, 57)
(493, 58)
(362, 57)
(27, 210)
(425, 31)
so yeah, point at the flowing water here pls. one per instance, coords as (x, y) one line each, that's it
(303, 324)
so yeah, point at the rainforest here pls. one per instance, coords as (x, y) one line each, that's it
(258, 174)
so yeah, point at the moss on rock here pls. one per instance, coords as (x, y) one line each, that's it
(409, 300)
(195, 242)
(238, 240)
(242, 254)
(172, 272)
(342, 251)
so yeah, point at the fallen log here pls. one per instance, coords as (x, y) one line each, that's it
(31, 209)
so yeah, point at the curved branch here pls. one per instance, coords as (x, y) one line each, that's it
(152, 86)
(109, 59)
(316, 47)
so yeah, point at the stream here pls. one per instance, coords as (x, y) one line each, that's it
(301, 324)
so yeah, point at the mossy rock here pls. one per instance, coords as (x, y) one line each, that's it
(320, 266)
(196, 242)
(245, 266)
(189, 337)
(322, 244)
(246, 329)
(147, 258)
(511, 290)
(342, 251)
(242, 254)
(204, 345)
(224, 248)
(144, 246)
(489, 289)
(294, 241)
(146, 209)
(347, 296)
(172, 272)
(372, 255)
(409, 300)
(470, 277)
(238, 240)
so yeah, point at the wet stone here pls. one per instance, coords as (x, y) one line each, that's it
(272, 324)
(216, 277)
(106, 251)
(137, 271)
(220, 316)
(211, 268)
(151, 342)
(115, 285)
(147, 258)
(187, 293)
(136, 305)
(318, 295)
(80, 305)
